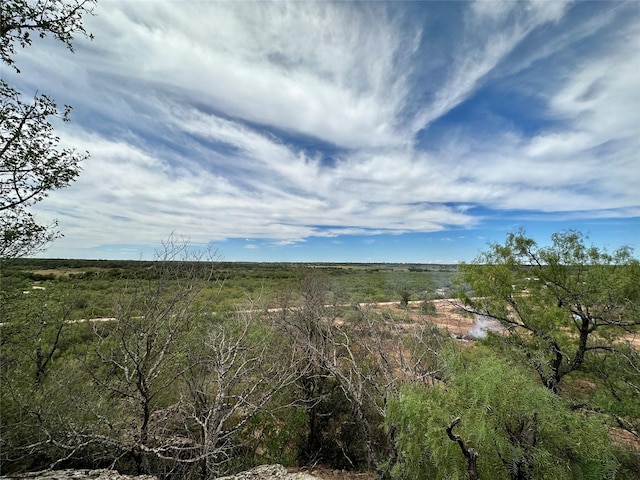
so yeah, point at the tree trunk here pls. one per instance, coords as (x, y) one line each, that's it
(40, 365)
(141, 461)
(523, 437)
(470, 455)
(313, 443)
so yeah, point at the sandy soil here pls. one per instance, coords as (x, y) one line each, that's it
(448, 316)
(461, 326)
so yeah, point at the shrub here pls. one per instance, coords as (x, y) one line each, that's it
(519, 429)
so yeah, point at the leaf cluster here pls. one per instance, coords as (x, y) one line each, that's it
(20, 18)
(31, 166)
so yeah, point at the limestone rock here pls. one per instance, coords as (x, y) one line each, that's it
(263, 472)
(302, 476)
(269, 472)
(77, 474)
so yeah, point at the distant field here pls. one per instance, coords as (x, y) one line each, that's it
(94, 283)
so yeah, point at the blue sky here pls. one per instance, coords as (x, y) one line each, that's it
(348, 132)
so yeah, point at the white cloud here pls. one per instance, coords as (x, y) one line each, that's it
(198, 116)
(313, 68)
(584, 161)
(128, 193)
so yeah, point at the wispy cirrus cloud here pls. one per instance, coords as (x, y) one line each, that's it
(314, 68)
(491, 32)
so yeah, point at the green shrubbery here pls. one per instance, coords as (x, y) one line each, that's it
(518, 428)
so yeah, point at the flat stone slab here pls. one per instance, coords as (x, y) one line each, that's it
(269, 472)
(77, 474)
(263, 472)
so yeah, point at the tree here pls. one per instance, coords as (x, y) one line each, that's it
(141, 355)
(405, 296)
(560, 305)
(308, 325)
(356, 359)
(166, 383)
(36, 332)
(570, 311)
(19, 18)
(235, 371)
(31, 164)
(123, 369)
(30, 167)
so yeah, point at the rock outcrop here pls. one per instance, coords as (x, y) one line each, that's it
(263, 472)
(269, 472)
(77, 474)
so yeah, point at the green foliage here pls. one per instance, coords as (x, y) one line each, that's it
(188, 383)
(20, 18)
(276, 438)
(30, 167)
(40, 400)
(405, 296)
(572, 311)
(518, 428)
(562, 304)
(427, 307)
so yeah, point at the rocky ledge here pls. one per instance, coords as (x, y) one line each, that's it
(269, 472)
(77, 474)
(264, 472)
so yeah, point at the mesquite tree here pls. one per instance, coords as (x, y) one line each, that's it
(569, 310)
(560, 304)
(356, 359)
(186, 381)
(235, 370)
(140, 355)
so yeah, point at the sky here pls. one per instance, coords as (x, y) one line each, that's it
(344, 132)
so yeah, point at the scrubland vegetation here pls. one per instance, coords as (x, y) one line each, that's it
(188, 367)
